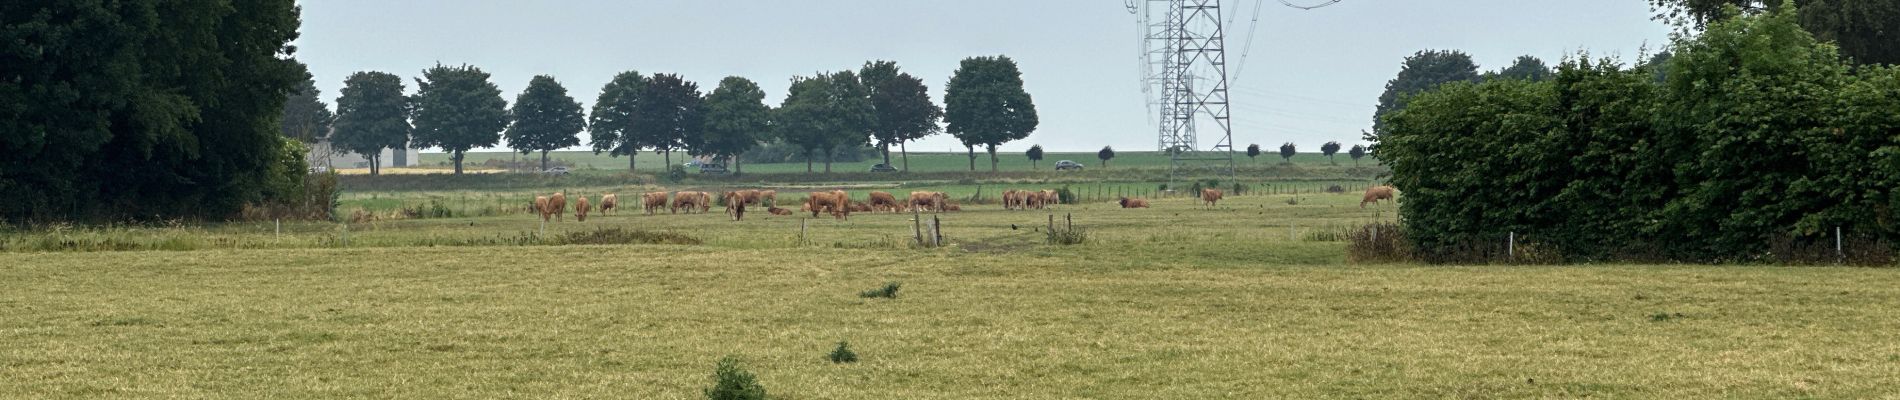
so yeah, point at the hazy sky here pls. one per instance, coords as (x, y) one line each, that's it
(1312, 76)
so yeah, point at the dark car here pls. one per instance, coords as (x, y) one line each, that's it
(715, 169)
(882, 168)
(1066, 165)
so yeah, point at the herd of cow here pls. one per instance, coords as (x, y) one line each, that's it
(838, 203)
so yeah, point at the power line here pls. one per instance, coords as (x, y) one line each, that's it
(1311, 7)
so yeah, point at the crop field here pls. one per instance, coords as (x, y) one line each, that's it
(1250, 299)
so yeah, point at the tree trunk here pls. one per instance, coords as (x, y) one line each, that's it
(544, 160)
(630, 167)
(457, 156)
(736, 168)
(669, 158)
(829, 155)
(992, 149)
(808, 157)
(886, 148)
(372, 165)
(905, 149)
(972, 149)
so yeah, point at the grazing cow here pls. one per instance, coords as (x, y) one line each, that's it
(859, 206)
(927, 201)
(607, 203)
(1376, 193)
(1010, 199)
(1051, 197)
(686, 200)
(836, 202)
(735, 205)
(778, 211)
(541, 207)
(883, 201)
(1210, 196)
(1134, 203)
(654, 201)
(581, 208)
(769, 196)
(808, 207)
(558, 202)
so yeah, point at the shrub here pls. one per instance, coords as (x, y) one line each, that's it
(617, 235)
(1067, 196)
(889, 291)
(732, 382)
(1378, 243)
(675, 174)
(842, 354)
(1067, 237)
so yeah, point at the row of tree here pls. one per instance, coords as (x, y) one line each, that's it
(459, 109)
(1288, 150)
(1757, 134)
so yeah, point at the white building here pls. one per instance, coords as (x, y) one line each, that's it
(323, 154)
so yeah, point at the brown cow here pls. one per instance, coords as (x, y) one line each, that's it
(735, 205)
(883, 201)
(836, 202)
(687, 200)
(541, 207)
(1210, 196)
(654, 201)
(558, 202)
(581, 208)
(1010, 199)
(769, 195)
(778, 211)
(608, 202)
(1134, 203)
(952, 207)
(1376, 193)
(1051, 197)
(927, 201)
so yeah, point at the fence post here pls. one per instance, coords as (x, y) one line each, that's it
(917, 223)
(280, 227)
(1510, 247)
(936, 231)
(1052, 226)
(1838, 252)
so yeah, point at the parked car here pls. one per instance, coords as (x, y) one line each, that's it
(715, 169)
(1066, 165)
(556, 171)
(882, 168)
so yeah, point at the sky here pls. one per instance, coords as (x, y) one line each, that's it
(1308, 76)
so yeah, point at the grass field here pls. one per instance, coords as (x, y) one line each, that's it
(1252, 299)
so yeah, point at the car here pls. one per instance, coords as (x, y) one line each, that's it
(557, 171)
(882, 168)
(715, 169)
(1066, 165)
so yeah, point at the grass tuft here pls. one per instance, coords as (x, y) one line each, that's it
(732, 382)
(889, 291)
(842, 354)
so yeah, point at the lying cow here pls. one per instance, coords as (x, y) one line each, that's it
(1134, 203)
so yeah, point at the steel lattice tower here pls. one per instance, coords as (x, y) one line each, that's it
(1185, 69)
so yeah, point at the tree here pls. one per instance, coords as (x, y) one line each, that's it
(1528, 68)
(1106, 154)
(458, 109)
(985, 105)
(1866, 31)
(902, 105)
(668, 116)
(1329, 149)
(1035, 155)
(545, 119)
(611, 123)
(1253, 150)
(1287, 151)
(824, 113)
(306, 117)
(1421, 72)
(372, 115)
(736, 117)
(1357, 152)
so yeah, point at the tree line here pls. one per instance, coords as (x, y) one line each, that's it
(459, 108)
(1751, 137)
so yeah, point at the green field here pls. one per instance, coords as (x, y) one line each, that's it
(1252, 299)
(919, 162)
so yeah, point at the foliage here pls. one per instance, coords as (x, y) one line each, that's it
(545, 119)
(1421, 72)
(842, 354)
(1760, 134)
(372, 115)
(825, 113)
(1329, 149)
(902, 105)
(611, 124)
(888, 291)
(670, 115)
(733, 382)
(985, 104)
(1034, 154)
(1287, 151)
(736, 120)
(1253, 150)
(458, 109)
(1528, 68)
(306, 117)
(1357, 152)
(623, 236)
(141, 109)
(1865, 31)
(1106, 154)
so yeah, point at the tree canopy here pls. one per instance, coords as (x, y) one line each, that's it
(1329, 149)
(545, 119)
(610, 125)
(372, 115)
(1106, 154)
(306, 117)
(142, 109)
(458, 109)
(737, 119)
(668, 115)
(1034, 154)
(824, 113)
(985, 104)
(902, 106)
(1421, 72)
(1867, 31)
(1528, 68)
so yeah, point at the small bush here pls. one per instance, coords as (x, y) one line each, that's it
(889, 291)
(1335, 189)
(675, 174)
(618, 235)
(1072, 236)
(1664, 317)
(1066, 196)
(842, 354)
(1326, 235)
(1378, 243)
(732, 382)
